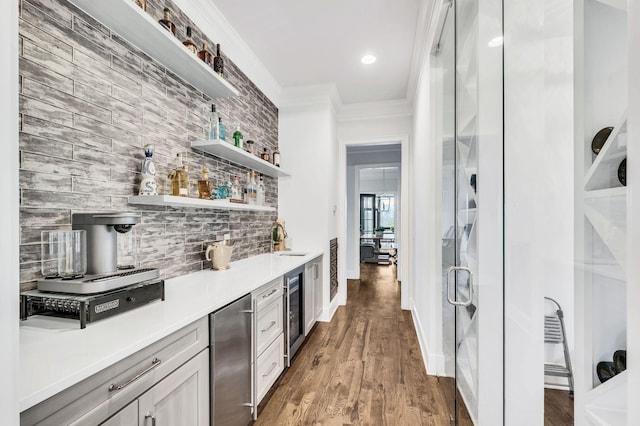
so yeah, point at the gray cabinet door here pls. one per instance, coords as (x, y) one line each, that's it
(128, 416)
(181, 398)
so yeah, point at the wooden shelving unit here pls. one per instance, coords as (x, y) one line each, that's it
(229, 152)
(174, 201)
(139, 28)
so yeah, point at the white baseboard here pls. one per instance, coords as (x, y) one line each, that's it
(353, 274)
(427, 359)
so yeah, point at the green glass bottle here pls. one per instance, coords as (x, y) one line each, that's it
(237, 137)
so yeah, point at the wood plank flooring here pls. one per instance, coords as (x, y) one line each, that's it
(363, 368)
(558, 408)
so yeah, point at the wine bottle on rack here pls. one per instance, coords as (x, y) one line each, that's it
(166, 21)
(218, 62)
(205, 55)
(189, 44)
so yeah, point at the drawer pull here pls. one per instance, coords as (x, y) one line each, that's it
(154, 363)
(150, 416)
(270, 293)
(264, 330)
(273, 367)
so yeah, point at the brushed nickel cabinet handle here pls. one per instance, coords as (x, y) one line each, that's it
(150, 416)
(273, 366)
(154, 363)
(268, 328)
(270, 293)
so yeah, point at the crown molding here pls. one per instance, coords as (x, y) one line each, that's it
(425, 33)
(375, 110)
(213, 23)
(304, 97)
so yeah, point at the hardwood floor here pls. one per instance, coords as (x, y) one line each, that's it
(558, 408)
(365, 367)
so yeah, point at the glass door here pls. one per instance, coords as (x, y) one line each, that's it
(469, 61)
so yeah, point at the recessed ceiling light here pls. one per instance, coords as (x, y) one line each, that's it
(368, 59)
(496, 41)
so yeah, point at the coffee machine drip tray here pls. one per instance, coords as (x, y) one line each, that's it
(91, 284)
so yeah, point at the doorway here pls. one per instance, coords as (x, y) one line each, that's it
(383, 165)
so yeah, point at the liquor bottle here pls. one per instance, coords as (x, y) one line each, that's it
(179, 179)
(205, 55)
(252, 190)
(265, 155)
(260, 195)
(245, 190)
(212, 128)
(236, 193)
(204, 184)
(141, 3)
(237, 137)
(222, 129)
(218, 62)
(166, 21)
(148, 185)
(276, 157)
(189, 44)
(249, 146)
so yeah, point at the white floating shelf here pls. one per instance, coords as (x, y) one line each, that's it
(603, 173)
(229, 152)
(141, 29)
(198, 203)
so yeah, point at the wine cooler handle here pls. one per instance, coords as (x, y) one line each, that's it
(287, 321)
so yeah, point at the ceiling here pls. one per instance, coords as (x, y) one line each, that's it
(305, 42)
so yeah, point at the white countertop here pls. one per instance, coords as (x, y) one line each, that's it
(56, 354)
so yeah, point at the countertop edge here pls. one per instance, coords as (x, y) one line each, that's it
(33, 397)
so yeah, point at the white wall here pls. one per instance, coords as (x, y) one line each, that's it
(9, 193)
(307, 199)
(423, 221)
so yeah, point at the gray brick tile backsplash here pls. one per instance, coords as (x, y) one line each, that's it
(89, 102)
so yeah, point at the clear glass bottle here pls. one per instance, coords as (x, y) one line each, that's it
(249, 146)
(245, 190)
(252, 190)
(212, 128)
(276, 157)
(166, 21)
(265, 155)
(179, 179)
(218, 62)
(189, 44)
(204, 184)
(260, 192)
(236, 192)
(237, 138)
(222, 129)
(205, 55)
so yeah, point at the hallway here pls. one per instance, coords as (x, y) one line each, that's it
(365, 367)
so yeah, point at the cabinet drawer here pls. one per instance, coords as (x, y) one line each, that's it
(91, 402)
(270, 365)
(268, 325)
(267, 293)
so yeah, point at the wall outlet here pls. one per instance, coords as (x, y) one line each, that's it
(227, 236)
